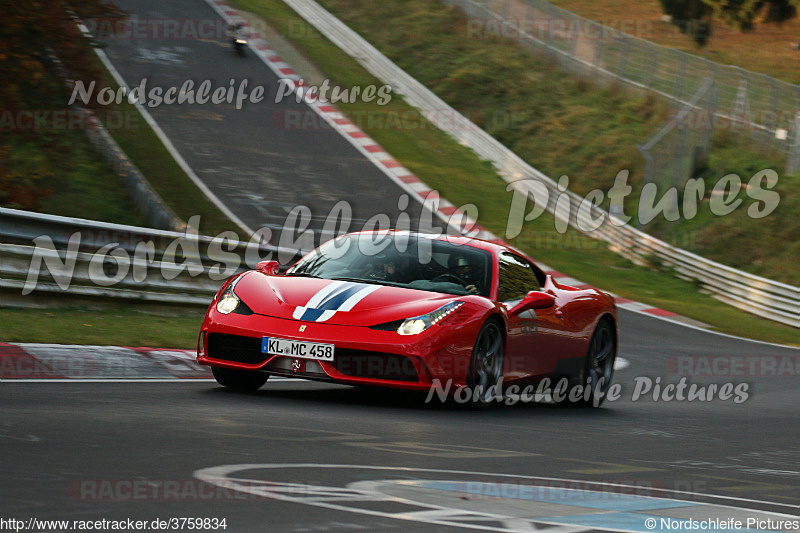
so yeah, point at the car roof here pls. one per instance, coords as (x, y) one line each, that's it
(490, 246)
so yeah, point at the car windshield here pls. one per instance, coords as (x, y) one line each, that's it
(402, 260)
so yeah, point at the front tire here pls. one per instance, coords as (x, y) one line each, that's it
(598, 369)
(486, 365)
(239, 379)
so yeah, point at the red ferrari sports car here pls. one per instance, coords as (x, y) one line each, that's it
(403, 310)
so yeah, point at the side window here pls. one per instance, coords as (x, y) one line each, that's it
(517, 278)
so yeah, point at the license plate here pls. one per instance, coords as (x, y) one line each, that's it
(298, 349)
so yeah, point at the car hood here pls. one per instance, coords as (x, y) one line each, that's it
(344, 303)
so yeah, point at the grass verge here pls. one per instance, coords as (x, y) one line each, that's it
(115, 325)
(77, 181)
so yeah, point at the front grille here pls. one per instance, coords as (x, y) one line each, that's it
(235, 348)
(355, 363)
(375, 365)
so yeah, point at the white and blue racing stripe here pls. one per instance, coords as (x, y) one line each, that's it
(338, 296)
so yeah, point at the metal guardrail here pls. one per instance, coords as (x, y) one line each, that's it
(764, 297)
(767, 298)
(167, 274)
(89, 275)
(22, 227)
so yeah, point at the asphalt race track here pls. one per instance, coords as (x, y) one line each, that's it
(298, 456)
(93, 450)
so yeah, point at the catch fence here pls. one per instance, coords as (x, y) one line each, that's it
(762, 109)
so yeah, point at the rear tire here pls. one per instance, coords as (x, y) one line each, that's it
(239, 379)
(486, 365)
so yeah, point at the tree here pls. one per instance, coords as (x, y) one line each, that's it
(741, 14)
(693, 17)
(31, 33)
(40, 45)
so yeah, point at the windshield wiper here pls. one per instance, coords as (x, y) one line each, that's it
(358, 280)
(301, 275)
(372, 281)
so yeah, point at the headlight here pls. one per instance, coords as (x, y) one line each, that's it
(418, 324)
(228, 302)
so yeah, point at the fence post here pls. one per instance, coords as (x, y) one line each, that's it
(680, 77)
(624, 59)
(651, 70)
(712, 113)
(598, 47)
(615, 58)
(684, 161)
(793, 163)
(772, 125)
(648, 177)
(574, 38)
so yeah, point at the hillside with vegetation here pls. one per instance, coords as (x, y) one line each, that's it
(769, 47)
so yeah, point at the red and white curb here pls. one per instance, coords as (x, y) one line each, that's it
(30, 362)
(415, 187)
(57, 362)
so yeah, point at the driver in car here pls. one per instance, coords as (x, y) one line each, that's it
(383, 268)
(464, 270)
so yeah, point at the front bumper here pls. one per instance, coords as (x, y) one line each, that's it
(363, 356)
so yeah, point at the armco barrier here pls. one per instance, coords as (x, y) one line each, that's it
(22, 227)
(766, 298)
(92, 277)
(177, 279)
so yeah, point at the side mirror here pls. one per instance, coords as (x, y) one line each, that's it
(269, 267)
(534, 300)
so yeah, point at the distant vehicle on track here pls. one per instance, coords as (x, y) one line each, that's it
(401, 310)
(238, 35)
